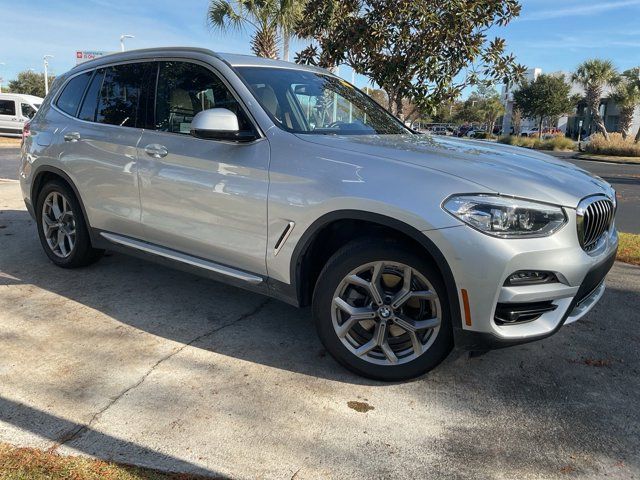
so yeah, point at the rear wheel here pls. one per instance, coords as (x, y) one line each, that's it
(381, 310)
(62, 227)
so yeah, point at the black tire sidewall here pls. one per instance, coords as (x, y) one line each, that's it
(345, 260)
(83, 253)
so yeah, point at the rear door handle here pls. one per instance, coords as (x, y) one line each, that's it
(72, 137)
(156, 151)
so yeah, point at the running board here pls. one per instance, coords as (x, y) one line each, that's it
(182, 258)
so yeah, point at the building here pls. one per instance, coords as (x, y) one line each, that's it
(569, 124)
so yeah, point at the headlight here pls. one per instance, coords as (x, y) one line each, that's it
(506, 217)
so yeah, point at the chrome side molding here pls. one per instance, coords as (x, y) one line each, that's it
(182, 257)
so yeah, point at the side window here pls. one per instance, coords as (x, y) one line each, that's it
(124, 98)
(90, 104)
(7, 107)
(70, 98)
(27, 110)
(184, 89)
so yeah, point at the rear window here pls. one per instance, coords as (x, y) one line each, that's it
(7, 107)
(70, 98)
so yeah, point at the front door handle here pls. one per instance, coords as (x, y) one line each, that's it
(156, 151)
(72, 137)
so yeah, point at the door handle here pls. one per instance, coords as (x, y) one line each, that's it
(156, 151)
(72, 137)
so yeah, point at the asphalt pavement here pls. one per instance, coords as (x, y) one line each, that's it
(129, 361)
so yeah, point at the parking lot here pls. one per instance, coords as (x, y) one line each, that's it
(129, 361)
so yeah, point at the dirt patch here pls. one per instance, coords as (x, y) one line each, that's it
(360, 407)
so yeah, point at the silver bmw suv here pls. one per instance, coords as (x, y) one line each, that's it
(288, 181)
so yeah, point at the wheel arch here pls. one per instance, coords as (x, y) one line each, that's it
(303, 272)
(46, 172)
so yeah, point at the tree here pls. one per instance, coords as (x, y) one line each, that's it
(426, 51)
(30, 83)
(482, 106)
(594, 75)
(627, 96)
(546, 97)
(265, 17)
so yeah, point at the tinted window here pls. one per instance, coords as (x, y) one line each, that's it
(184, 89)
(124, 98)
(90, 103)
(27, 110)
(71, 96)
(7, 107)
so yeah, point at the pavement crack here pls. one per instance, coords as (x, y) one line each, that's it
(81, 429)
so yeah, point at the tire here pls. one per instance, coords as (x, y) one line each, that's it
(64, 254)
(336, 281)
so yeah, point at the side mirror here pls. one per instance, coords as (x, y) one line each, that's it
(219, 124)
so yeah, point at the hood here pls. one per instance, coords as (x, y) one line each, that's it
(501, 168)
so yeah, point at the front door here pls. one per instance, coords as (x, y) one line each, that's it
(205, 198)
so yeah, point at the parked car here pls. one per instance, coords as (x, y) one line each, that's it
(530, 132)
(237, 168)
(15, 110)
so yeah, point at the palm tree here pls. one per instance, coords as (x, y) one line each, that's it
(627, 96)
(267, 18)
(594, 75)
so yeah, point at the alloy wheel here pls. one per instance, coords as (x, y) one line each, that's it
(59, 224)
(386, 313)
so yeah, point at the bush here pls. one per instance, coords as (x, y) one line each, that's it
(558, 142)
(615, 146)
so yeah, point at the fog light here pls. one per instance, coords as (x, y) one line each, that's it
(530, 277)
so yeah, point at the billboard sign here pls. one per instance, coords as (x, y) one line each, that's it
(86, 55)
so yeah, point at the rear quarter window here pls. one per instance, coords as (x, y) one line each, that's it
(70, 98)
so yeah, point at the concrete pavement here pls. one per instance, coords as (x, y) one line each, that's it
(129, 361)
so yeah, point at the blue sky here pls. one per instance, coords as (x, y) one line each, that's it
(551, 34)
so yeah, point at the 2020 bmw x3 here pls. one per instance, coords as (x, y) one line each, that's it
(288, 181)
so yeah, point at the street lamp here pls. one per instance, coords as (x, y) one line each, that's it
(122, 37)
(46, 73)
(1, 79)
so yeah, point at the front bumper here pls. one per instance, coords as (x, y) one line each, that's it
(480, 265)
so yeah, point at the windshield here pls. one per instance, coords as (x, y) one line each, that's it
(300, 101)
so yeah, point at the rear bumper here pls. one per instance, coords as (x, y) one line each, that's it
(588, 294)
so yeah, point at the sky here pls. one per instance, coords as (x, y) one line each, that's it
(555, 35)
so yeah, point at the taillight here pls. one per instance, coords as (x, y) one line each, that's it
(26, 131)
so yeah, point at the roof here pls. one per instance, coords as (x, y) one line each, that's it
(233, 59)
(23, 96)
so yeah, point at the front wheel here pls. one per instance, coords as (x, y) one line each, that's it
(381, 310)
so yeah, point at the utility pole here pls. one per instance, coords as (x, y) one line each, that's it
(122, 37)
(1, 79)
(46, 73)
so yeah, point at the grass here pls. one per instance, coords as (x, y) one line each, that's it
(608, 158)
(34, 464)
(629, 248)
(557, 143)
(615, 146)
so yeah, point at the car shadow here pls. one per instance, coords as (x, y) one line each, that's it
(175, 305)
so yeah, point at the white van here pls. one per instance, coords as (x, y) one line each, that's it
(15, 110)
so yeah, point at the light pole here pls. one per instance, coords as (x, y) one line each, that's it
(1, 79)
(46, 73)
(122, 37)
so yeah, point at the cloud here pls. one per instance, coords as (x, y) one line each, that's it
(578, 10)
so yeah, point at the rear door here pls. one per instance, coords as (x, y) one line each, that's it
(9, 121)
(99, 143)
(206, 198)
